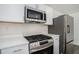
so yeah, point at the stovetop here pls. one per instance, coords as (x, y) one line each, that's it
(35, 38)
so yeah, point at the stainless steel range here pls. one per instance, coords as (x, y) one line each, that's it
(40, 44)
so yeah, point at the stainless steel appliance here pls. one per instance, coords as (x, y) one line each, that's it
(63, 26)
(34, 15)
(40, 44)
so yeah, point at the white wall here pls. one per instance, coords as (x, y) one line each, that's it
(56, 13)
(28, 29)
(76, 28)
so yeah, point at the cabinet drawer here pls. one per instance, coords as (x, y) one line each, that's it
(20, 49)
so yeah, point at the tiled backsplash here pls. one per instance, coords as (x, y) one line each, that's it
(25, 29)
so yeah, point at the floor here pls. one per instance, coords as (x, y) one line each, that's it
(72, 49)
(75, 49)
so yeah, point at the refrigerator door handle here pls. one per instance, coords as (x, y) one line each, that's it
(68, 28)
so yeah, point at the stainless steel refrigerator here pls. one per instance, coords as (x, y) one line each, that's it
(64, 26)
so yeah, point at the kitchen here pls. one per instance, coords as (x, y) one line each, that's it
(20, 24)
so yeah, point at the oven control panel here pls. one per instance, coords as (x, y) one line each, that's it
(40, 43)
(33, 45)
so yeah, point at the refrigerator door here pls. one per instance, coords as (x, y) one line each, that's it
(69, 34)
(69, 28)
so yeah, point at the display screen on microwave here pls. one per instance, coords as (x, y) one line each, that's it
(34, 14)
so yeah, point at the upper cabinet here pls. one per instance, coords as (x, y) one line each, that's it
(12, 12)
(49, 13)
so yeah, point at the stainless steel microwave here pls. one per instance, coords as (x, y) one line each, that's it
(34, 15)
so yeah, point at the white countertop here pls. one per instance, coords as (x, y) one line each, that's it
(12, 40)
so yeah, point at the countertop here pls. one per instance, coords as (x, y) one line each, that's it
(12, 40)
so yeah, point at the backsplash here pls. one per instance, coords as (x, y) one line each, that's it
(24, 29)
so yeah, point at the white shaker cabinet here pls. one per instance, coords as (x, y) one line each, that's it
(49, 13)
(12, 12)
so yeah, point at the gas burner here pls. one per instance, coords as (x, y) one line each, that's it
(35, 38)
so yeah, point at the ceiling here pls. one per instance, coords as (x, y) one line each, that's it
(66, 8)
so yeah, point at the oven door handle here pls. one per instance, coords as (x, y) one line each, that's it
(41, 47)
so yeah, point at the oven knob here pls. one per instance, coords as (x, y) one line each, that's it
(34, 45)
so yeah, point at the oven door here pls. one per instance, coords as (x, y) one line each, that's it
(43, 49)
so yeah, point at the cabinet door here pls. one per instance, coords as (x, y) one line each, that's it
(49, 13)
(12, 12)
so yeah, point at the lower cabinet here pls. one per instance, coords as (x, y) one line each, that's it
(20, 49)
